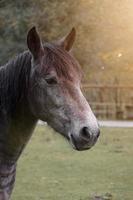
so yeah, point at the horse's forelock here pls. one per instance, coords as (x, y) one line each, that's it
(61, 61)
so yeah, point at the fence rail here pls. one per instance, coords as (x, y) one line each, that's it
(87, 86)
(110, 101)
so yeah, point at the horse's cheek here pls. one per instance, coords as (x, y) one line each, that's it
(36, 102)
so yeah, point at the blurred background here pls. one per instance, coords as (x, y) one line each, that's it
(104, 45)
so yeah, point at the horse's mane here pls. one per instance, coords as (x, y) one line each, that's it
(14, 76)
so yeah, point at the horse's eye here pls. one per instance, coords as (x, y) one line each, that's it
(51, 80)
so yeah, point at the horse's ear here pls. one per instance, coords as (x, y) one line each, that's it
(67, 42)
(34, 42)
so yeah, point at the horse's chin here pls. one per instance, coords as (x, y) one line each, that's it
(77, 148)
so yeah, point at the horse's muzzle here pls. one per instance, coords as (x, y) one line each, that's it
(85, 140)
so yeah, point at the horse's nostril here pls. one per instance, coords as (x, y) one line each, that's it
(85, 133)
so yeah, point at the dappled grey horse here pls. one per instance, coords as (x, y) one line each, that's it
(42, 83)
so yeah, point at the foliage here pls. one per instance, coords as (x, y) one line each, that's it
(18, 16)
(104, 33)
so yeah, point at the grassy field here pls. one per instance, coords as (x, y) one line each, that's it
(50, 169)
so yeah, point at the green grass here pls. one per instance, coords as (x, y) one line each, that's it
(50, 169)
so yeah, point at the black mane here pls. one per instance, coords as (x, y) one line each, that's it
(14, 78)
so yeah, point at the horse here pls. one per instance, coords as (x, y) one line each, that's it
(41, 83)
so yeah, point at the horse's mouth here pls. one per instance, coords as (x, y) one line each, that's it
(79, 145)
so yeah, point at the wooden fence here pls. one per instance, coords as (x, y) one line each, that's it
(110, 101)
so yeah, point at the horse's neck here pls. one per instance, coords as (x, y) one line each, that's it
(21, 127)
(17, 136)
(16, 126)
(15, 131)
(16, 120)
(18, 132)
